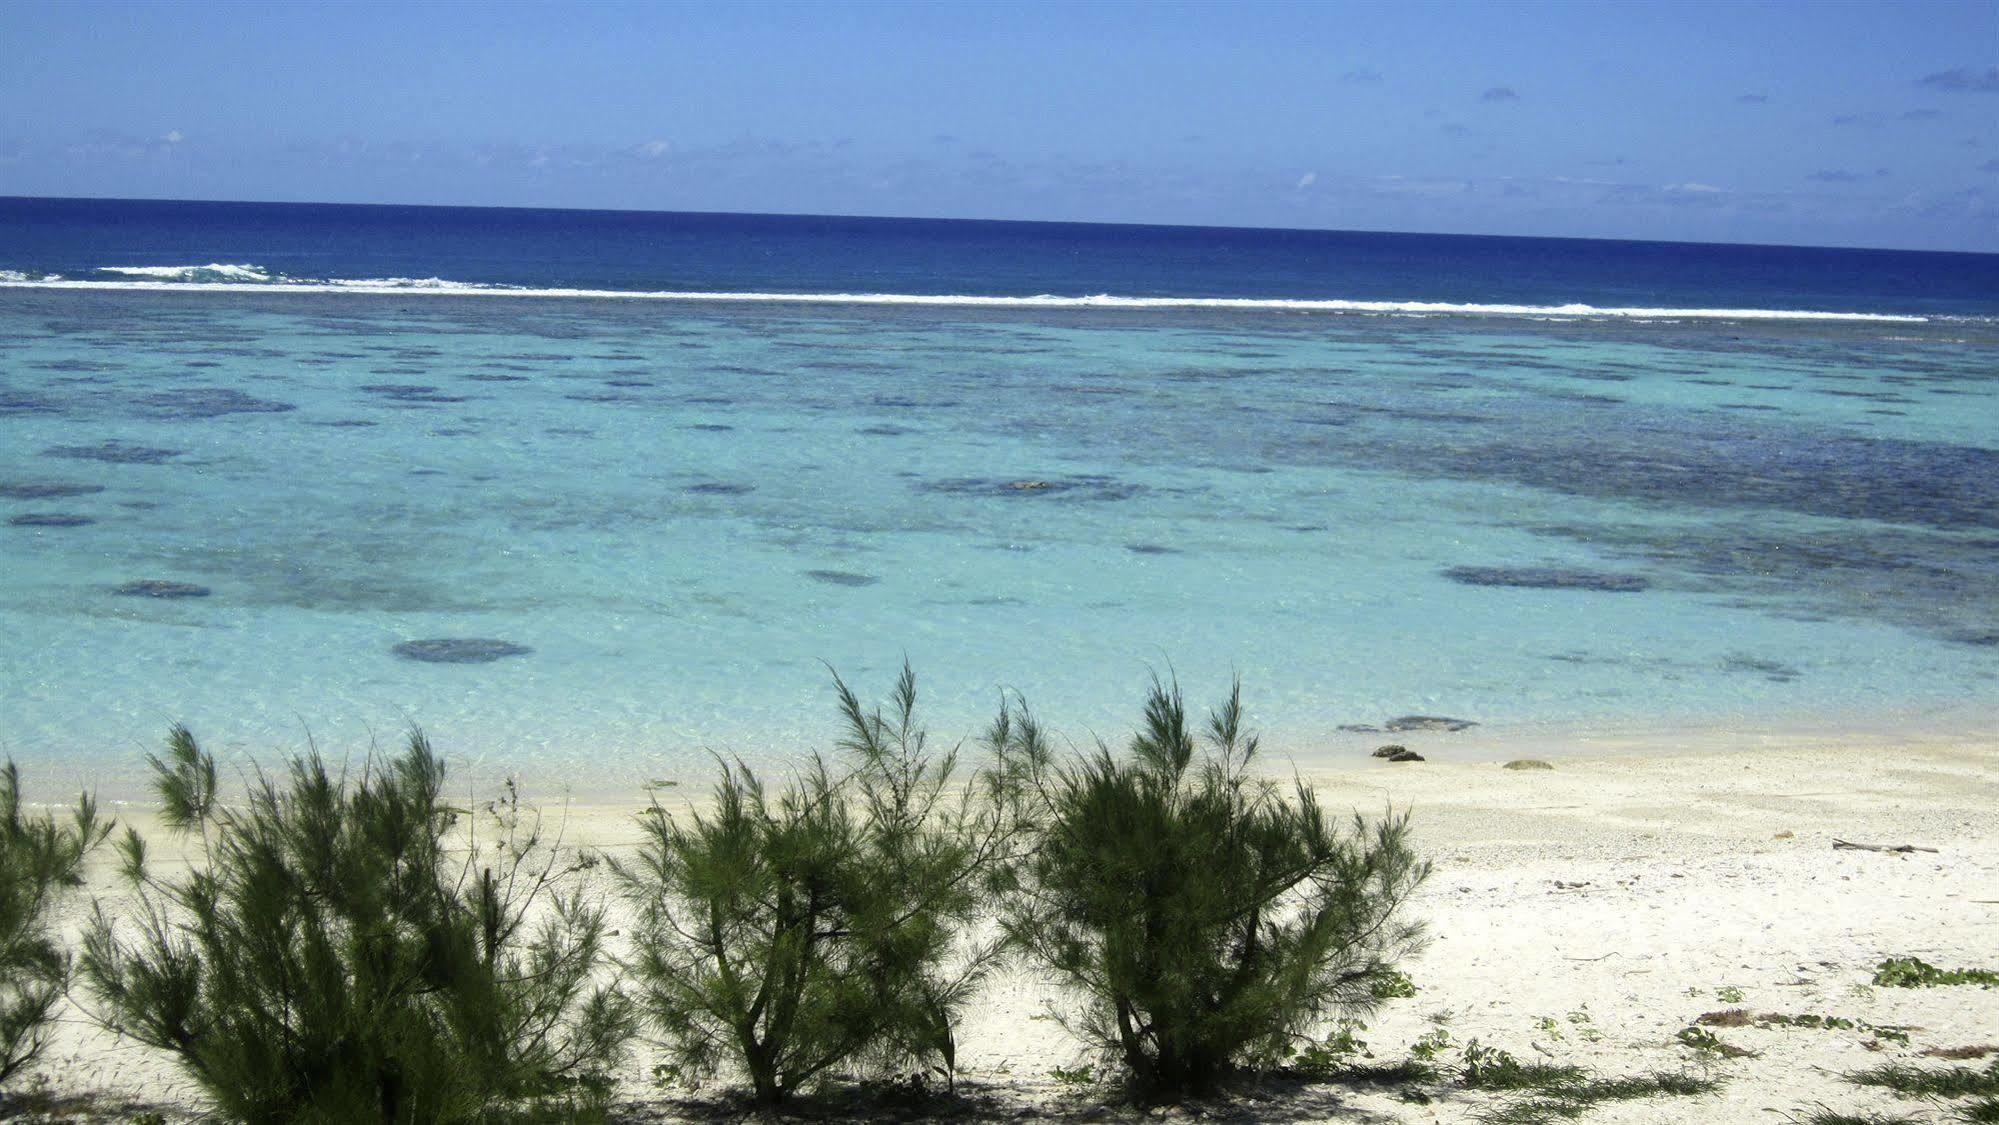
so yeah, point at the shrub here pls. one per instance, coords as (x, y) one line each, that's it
(1914, 972)
(40, 860)
(823, 925)
(332, 957)
(1208, 919)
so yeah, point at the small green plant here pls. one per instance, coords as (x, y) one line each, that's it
(1550, 1027)
(1914, 972)
(824, 925)
(1728, 994)
(1082, 1075)
(342, 950)
(1584, 1025)
(1430, 1044)
(41, 862)
(1392, 984)
(1207, 918)
(1489, 1068)
(1984, 1111)
(1333, 1053)
(1707, 1044)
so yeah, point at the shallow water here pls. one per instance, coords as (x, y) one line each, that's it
(684, 514)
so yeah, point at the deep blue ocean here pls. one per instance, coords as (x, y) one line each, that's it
(595, 493)
(638, 251)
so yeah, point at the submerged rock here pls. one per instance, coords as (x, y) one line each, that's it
(49, 519)
(1406, 756)
(459, 650)
(1151, 549)
(1390, 751)
(114, 452)
(45, 490)
(841, 578)
(1407, 723)
(161, 588)
(721, 488)
(1547, 578)
(1984, 638)
(1526, 764)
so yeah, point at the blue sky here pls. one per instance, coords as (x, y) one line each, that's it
(1863, 124)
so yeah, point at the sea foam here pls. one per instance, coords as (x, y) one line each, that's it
(225, 278)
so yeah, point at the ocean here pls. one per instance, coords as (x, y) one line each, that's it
(598, 494)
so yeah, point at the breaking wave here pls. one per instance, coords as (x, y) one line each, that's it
(240, 278)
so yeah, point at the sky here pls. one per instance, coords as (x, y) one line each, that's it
(1847, 124)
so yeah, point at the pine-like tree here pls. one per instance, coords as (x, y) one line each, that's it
(341, 953)
(41, 861)
(1208, 918)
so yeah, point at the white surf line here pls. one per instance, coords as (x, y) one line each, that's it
(1046, 301)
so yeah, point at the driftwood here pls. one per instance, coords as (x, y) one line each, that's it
(1903, 849)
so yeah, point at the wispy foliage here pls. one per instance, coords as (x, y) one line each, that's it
(41, 860)
(1208, 918)
(823, 925)
(338, 953)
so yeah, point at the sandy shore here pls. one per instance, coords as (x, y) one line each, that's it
(1582, 914)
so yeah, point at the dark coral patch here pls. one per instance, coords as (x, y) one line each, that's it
(1547, 578)
(114, 453)
(1406, 723)
(841, 578)
(50, 519)
(45, 490)
(161, 588)
(721, 488)
(196, 403)
(459, 650)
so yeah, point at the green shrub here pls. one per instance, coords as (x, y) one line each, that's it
(40, 861)
(1914, 972)
(823, 925)
(338, 953)
(1208, 919)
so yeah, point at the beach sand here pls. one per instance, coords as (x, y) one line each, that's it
(1581, 914)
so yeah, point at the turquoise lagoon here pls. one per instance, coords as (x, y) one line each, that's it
(1564, 529)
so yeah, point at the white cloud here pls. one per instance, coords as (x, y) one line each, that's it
(173, 137)
(1307, 180)
(1692, 188)
(651, 150)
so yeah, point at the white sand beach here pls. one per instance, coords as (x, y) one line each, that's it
(1581, 914)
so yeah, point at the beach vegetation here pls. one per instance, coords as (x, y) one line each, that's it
(1742, 1017)
(1561, 1091)
(1392, 984)
(1074, 1075)
(1824, 1115)
(1207, 920)
(354, 948)
(1914, 972)
(1931, 1082)
(1708, 1045)
(41, 862)
(826, 923)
